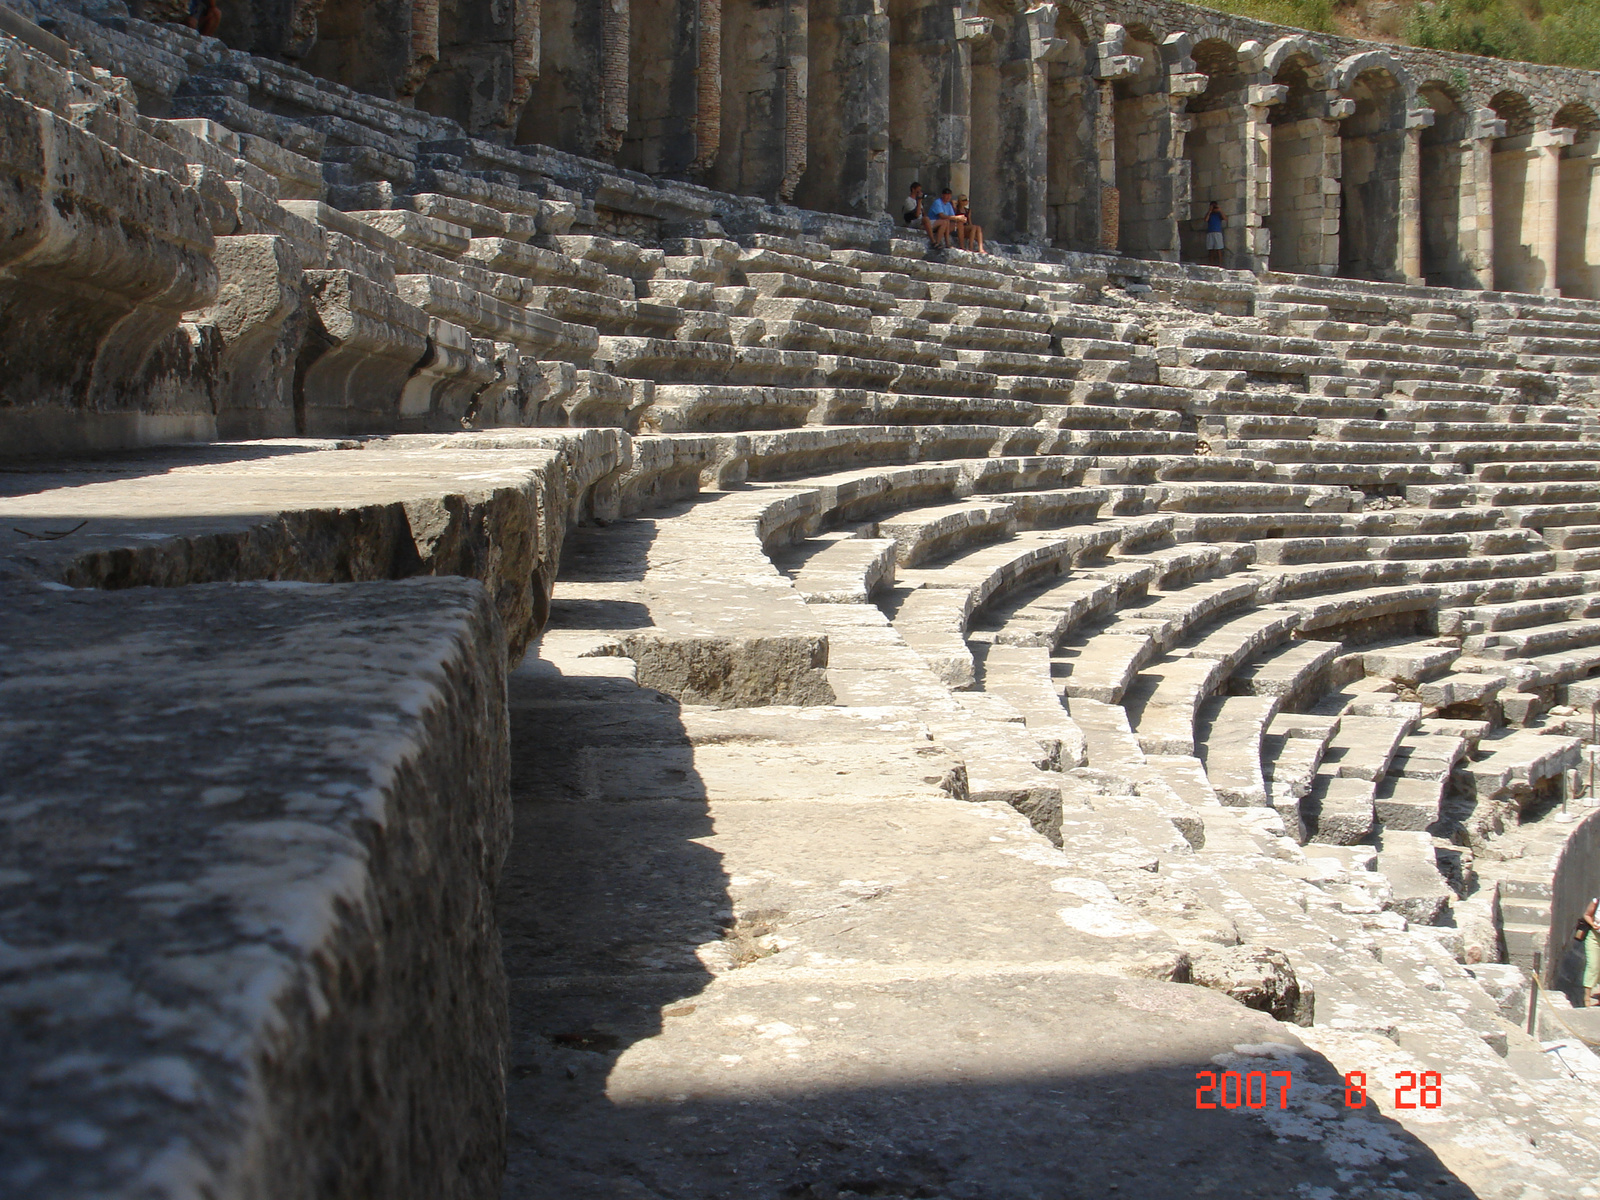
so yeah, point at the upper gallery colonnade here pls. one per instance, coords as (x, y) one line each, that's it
(1094, 129)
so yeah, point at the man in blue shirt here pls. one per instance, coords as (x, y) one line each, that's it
(1214, 225)
(942, 212)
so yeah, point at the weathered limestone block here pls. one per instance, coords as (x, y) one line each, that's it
(261, 317)
(1418, 891)
(99, 259)
(265, 960)
(1257, 977)
(365, 343)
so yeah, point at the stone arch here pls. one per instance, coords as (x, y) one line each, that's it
(1577, 115)
(1302, 157)
(1202, 31)
(1374, 63)
(847, 121)
(1447, 188)
(1515, 196)
(1215, 149)
(1140, 32)
(1578, 203)
(1072, 164)
(1280, 52)
(1515, 110)
(1372, 153)
(1142, 135)
(1071, 22)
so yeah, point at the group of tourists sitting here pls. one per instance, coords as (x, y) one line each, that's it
(942, 218)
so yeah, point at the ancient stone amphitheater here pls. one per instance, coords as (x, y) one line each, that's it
(550, 649)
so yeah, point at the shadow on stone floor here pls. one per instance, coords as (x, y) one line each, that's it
(621, 1080)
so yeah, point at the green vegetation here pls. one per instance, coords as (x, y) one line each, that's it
(1316, 15)
(1565, 32)
(1562, 32)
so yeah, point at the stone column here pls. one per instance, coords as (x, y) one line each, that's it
(708, 114)
(613, 76)
(1259, 102)
(1332, 172)
(1486, 129)
(930, 99)
(1547, 146)
(1591, 227)
(847, 114)
(1113, 65)
(300, 31)
(1105, 137)
(1410, 264)
(797, 74)
(958, 91)
(424, 46)
(1180, 190)
(524, 54)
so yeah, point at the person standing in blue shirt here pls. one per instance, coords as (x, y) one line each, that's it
(1215, 222)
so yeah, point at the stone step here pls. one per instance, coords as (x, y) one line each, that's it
(1229, 731)
(841, 569)
(1044, 616)
(1290, 671)
(933, 605)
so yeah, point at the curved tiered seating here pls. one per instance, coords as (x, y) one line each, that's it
(1261, 624)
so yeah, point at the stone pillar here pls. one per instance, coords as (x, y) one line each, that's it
(1113, 65)
(1009, 168)
(1332, 173)
(1410, 254)
(847, 114)
(1591, 227)
(797, 75)
(300, 32)
(930, 98)
(1487, 128)
(1180, 190)
(424, 46)
(1547, 146)
(1105, 137)
(524, 54)
(708, 115)
(1033, 94)
(1259, 102)
(613, 76)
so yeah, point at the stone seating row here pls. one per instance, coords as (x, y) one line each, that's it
(1470, 996)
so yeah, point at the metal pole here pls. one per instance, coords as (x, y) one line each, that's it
(1533, 995)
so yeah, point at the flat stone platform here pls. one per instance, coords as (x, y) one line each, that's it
(490, 507)
(755, 953)
(249, 840)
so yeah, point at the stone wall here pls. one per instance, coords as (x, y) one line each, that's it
(1574, 881)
